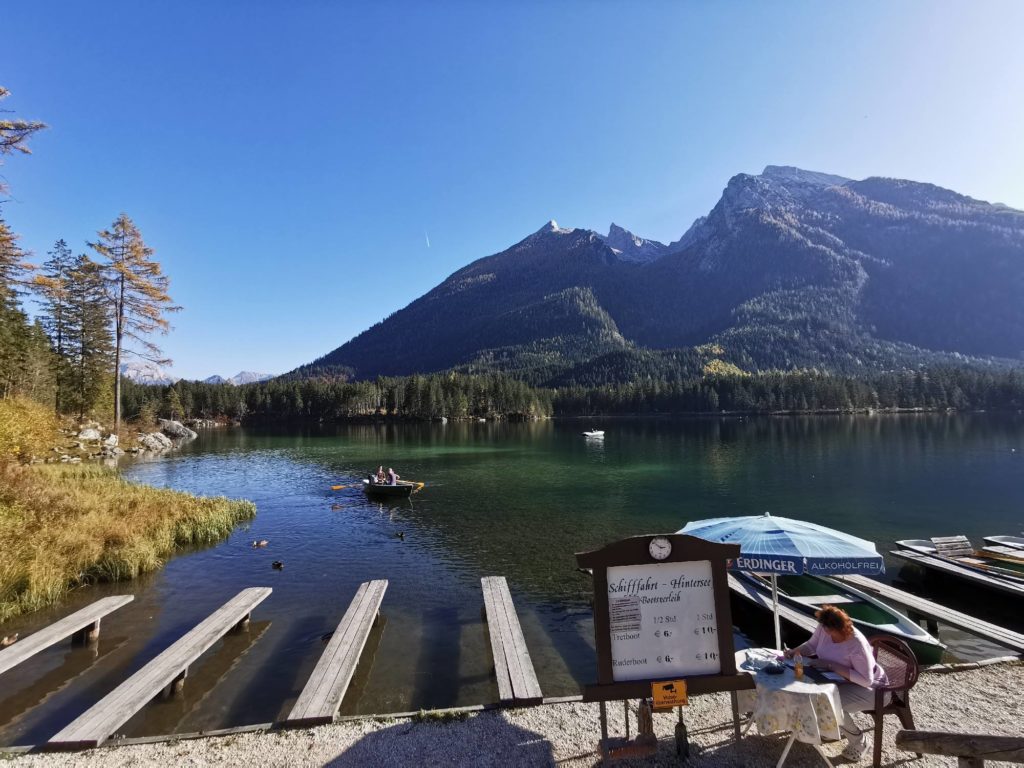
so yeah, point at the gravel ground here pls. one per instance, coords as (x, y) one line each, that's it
(985, 700)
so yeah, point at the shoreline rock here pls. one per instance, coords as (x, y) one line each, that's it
(176, 430)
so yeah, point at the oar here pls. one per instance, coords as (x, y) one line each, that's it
(339, 487)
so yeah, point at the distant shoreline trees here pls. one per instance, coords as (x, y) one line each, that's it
(462, 396)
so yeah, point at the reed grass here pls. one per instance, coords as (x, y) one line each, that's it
(62, 526)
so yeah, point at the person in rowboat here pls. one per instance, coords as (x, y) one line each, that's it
(381, 477)
(841, 648)
(392, 477)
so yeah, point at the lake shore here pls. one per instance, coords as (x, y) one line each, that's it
(985, 699)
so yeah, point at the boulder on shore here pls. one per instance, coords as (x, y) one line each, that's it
(111, 441)
(155, 441)
(177, 430)
(90, 434)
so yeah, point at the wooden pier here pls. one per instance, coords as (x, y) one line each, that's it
(517, 682)
(166, 671)
(935, 612)
(81, 626)
(321, 698)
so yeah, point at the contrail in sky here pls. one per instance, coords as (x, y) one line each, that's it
(427, 237)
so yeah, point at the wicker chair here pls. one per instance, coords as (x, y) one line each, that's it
(900, 665)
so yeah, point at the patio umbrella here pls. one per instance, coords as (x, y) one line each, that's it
(775, 545)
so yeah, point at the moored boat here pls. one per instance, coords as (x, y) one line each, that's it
(806, 594)
(594, 433)
(995, 565)
(400, 490)
(1014, 542)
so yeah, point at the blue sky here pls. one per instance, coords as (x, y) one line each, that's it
(289, 161)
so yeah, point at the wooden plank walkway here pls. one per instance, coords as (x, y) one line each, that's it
(746, 590)
(321, 698)
(991, 632)
(517, 681)
(976, 576)
(168, 670)
(81, 626)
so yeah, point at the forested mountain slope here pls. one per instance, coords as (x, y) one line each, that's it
(790, 269)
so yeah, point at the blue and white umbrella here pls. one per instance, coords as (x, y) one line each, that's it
(775, 545)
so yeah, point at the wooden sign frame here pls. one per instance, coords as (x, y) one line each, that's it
(635, 551)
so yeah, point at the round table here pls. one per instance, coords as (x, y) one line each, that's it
(810, 711)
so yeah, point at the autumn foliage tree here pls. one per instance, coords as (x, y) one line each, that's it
(136, 290)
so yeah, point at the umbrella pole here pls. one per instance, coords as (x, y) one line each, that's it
(775, 611)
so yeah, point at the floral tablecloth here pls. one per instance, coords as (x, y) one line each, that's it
(811, 711)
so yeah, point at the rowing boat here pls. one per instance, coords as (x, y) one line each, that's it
(399, 490)
(1014, 542)
(806, 594)
(996, 565)
(594, 433)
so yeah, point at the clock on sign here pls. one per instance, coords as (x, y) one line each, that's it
(660, 547)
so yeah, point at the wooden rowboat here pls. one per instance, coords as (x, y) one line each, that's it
(399, 490)
(959, 551)
(806, 594)
(1014, 542)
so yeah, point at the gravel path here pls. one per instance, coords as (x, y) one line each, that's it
(985, 700)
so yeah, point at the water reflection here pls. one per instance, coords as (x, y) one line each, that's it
(501, 499)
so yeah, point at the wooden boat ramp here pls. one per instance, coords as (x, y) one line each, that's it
(323, 693)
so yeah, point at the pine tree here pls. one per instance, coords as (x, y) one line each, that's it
(14, 326)
(137, 296)
(87, 338)
(52, 285)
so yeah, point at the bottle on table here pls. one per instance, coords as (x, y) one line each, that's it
(798, 666)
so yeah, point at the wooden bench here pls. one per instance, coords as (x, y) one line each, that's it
(517, 682)
(320, 700)
(822, 599)
(953, 546)
(82, 626)
(970, 749)
(166, 672)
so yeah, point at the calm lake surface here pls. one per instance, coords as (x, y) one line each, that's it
(501, 499)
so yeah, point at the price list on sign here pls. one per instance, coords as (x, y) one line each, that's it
(662, 620)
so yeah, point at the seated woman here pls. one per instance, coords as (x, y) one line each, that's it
(842, 648)
(381, 477)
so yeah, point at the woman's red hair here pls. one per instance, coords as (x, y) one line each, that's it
(835, 619)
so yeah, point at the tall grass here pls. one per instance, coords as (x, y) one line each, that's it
(62, 526)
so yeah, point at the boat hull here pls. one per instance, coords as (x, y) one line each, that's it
(870, 615)
(377, 490)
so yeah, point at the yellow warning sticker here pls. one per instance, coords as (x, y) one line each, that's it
(668, 694)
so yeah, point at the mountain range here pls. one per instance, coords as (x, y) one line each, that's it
(149, 373)
(790, 269)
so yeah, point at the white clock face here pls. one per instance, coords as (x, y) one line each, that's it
(660, 547)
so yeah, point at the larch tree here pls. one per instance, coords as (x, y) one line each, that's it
(137, 295)
(14, 133)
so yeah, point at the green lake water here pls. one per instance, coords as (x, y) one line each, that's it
(516, 500)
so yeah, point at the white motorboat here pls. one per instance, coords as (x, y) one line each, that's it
(594, 433)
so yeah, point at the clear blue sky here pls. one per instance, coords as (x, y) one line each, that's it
(288, 161)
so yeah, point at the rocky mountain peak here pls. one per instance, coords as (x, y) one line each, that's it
(630, 247)
(789, 173)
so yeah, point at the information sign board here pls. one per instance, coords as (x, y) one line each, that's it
(661, 614)
(662, 620)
